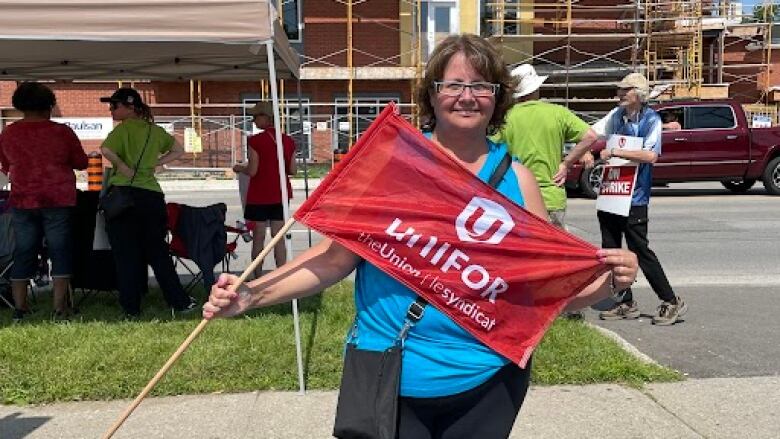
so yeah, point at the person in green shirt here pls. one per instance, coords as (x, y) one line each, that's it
(137, 147)
(535, 132)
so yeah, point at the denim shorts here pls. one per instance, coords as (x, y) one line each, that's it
(30, 227)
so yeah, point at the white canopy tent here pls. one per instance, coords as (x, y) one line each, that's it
(142, 39)
(150, 40)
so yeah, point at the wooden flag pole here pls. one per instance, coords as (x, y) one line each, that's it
(193, 335)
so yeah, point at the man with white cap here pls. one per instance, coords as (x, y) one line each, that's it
(536, 131)
(632, 117)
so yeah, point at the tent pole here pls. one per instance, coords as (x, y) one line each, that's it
(192, 115)
(350, 72)
(285, 205)
(302, 137)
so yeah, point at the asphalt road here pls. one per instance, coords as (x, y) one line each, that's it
(720, 252)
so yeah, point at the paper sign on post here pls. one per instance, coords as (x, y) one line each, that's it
(192, 141)
(761, 121)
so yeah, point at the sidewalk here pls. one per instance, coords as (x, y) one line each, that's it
(705, 408)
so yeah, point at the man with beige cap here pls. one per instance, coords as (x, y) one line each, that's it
(633, 117)
(536, 131)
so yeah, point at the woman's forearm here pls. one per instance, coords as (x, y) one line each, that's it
(311, 272)
(241, 168)
(594, 293)
(119, 165)
(112, 157)
(169, 157)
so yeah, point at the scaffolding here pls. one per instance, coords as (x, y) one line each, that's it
(688, 49)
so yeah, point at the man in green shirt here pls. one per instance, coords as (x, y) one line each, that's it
(536, 131)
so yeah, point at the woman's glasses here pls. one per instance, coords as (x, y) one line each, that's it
(456, 88)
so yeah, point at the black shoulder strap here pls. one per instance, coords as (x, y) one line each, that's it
(500, 171)
(138, 163)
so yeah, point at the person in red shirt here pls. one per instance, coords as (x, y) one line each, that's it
(39, 156)
(264, 196)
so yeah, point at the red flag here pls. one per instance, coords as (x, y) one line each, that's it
(405, 205)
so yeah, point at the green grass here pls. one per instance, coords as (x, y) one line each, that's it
(315, 170)
(574, 353)
(100, 356)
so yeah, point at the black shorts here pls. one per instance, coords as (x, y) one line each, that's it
(487, 411)
(264, 212)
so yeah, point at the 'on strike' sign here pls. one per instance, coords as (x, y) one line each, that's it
(617, 188)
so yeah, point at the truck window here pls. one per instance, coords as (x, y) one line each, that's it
(672, 118)
(701, 117)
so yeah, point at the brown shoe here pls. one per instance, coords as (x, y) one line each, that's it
(669, 314)
(621, 311)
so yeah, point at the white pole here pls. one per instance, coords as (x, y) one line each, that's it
(269, 46)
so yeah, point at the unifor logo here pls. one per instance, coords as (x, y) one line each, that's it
(483, 221)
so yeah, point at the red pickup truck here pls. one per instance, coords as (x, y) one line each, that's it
(714, 144)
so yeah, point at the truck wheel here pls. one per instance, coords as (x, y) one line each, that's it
(590, 179)
(738, 185)
(772, 176)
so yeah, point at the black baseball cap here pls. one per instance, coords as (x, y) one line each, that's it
(124, 95)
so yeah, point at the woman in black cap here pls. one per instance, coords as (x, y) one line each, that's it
(136, 147)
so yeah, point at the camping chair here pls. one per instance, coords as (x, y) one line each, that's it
(184, 222)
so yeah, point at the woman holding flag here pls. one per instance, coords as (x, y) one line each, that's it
(452, 385)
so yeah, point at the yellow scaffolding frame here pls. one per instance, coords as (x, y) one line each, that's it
(666, 39)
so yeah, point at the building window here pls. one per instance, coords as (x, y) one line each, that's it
(364, 111)
(489, 18)
(438, 20)
(290, 11)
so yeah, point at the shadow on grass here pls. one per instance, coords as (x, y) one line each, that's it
(103, 306)
(13, 426)
(316, 305)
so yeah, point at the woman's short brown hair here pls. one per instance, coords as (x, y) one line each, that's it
(484, 58)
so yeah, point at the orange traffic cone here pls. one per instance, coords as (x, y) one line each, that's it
(95, 173)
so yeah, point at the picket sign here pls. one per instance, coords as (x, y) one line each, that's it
(618, 177)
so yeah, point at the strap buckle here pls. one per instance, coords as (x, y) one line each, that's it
(415, 311)
(413, 315)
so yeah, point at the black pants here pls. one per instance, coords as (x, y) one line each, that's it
(634, 227)
(487, 411)
(138, 239)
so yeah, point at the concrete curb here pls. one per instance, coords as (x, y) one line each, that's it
(628, 347)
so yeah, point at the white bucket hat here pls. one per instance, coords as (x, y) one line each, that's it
(528, 80)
